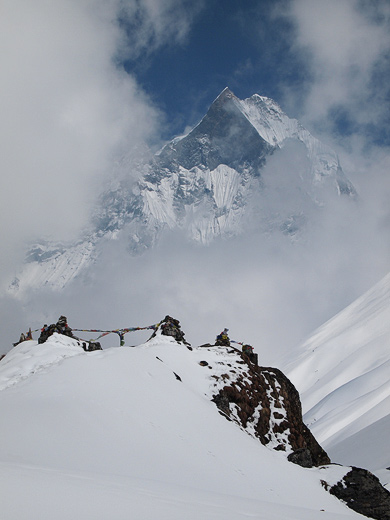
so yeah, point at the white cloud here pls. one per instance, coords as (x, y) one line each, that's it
(152, 23)
(67, 108)
(343, 44)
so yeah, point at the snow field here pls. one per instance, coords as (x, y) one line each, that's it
(115, 434)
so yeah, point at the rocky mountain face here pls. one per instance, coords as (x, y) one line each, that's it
(204, 182)
(264, 402)
(363, 492)
(219, 180)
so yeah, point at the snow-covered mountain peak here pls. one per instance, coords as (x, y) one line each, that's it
(224, 95)
(263, 113)
(209, 183)
(269, 120)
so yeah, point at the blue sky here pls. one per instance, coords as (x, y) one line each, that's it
(272, 48)
(242, 45)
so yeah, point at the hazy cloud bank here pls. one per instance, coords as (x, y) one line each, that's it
(68, 107)
(270, 291)
(344, 46)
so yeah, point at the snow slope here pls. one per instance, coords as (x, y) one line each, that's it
(131, 433)
(54, 267)
(276, 128)
(343, 375)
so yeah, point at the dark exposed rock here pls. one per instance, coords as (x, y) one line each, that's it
(249, 354)
(363, 492)
(171, 327)
(90, 346)
(215, 140)
(302, 457)
(222, 401)
(266, 401)
(61, 327)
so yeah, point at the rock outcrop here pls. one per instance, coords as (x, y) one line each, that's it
(363, 492)
(263, 401)
(171, 327)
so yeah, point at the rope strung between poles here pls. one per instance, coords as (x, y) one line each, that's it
(121, 332)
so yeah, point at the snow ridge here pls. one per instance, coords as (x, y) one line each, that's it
(120, 435)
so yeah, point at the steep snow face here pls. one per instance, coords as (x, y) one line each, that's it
(343, 375)
(276, 128)
(120, 436)
(269, 120)
(204, 203)
(54, 268)
(209, 183)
